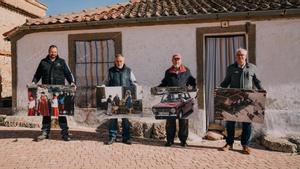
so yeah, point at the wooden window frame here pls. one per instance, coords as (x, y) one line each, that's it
(116, 36)
(72, 38)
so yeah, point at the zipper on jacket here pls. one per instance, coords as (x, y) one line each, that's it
(51, 72)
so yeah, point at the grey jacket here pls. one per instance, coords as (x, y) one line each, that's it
(244, 78)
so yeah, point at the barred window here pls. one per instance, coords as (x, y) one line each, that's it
(91, 60)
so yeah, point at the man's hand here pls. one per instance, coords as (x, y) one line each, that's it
(192, 88)
(74, 85)
(32, 84)
(135, 84)
(214, 93)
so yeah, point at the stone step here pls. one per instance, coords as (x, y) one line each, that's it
(142, 127)
(278, 144)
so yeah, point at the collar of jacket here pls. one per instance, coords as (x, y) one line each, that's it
(117, 69)
(172, 69)
(49, 60)
(236, 64)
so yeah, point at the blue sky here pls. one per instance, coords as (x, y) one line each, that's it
(67, 6)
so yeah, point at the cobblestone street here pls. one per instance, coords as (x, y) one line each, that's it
(87, 150)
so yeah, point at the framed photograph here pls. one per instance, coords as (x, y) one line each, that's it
(119, 102)
(240, 105)
(50, 100)
(175, 103)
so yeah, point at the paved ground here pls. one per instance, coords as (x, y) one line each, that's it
(86, 151)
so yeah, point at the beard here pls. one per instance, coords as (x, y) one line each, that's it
(177, 65)
(120, 66)
(53, 56)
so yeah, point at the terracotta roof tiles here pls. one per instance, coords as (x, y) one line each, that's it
(160, 8)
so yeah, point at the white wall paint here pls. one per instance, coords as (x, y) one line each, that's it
(148, 51)
(278, 60)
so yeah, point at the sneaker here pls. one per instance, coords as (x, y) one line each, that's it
(129, 142)
(227, 147)
(183, 144)
(110, 141)
(246, 150)
(42, 137)
(66, 138)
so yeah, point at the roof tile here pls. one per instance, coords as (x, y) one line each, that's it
(161, 8)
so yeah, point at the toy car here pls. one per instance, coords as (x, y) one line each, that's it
(174, 105)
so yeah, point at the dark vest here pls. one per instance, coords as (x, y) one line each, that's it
(119, 77)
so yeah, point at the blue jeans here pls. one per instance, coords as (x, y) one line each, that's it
(113, 128)
(246, 133)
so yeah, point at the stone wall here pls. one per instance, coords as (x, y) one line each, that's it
(32, 6)
(5, 73)
(9, 19)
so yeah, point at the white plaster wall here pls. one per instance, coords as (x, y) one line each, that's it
(148, 51)
(278, 60)
(31, 50)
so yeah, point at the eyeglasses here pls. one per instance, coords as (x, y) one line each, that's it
(176, 58)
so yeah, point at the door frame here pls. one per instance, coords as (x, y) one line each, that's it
(248, 29)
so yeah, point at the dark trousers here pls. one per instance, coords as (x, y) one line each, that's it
(246, 133)
(63, 123)
(113, 128)
(183, 130)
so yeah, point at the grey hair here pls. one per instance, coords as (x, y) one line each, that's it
(119, 55)
(242, 50)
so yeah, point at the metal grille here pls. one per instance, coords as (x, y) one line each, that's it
(93, 59)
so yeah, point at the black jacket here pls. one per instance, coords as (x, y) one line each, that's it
(244, 78)
(53, 73)
(181, 78)
(119, 77)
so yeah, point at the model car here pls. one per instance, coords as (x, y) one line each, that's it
(174, 105)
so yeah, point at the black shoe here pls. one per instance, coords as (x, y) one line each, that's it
(168, 144)
(127, 142)
(42, 137)
(110, 141)
(66, 138)
(183, 144)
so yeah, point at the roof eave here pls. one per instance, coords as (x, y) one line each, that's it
(157, 20)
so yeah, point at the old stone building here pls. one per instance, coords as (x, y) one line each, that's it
(14, 13)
